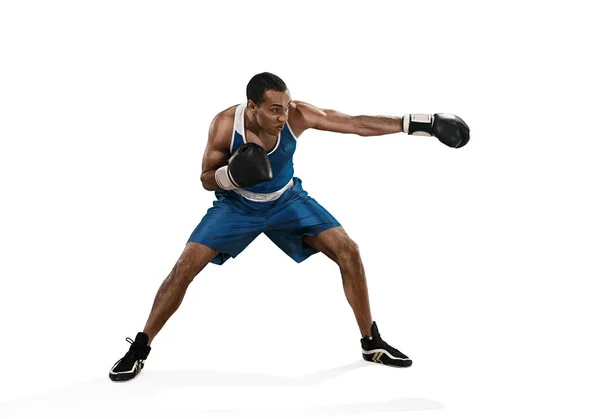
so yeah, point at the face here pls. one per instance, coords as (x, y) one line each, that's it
(273, 113)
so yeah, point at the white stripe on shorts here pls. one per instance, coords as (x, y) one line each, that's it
(264, 197)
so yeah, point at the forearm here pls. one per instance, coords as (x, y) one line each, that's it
(368, 126)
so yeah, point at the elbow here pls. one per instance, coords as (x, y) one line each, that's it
(363, 131)
(204, 181)
(359, 128)
(366, 131)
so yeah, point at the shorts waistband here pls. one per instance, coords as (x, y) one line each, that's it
(264, 197)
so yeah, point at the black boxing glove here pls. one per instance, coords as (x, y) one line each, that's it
(248, 166)
(449, 129)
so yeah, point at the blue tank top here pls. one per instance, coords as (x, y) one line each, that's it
(281, 157)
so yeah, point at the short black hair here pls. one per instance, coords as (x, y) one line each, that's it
(260, 83)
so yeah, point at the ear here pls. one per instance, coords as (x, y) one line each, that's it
(251, 105)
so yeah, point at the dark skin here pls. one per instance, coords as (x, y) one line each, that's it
(262, 126)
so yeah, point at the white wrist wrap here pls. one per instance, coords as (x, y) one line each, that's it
(224, 180)
(413, 123)
(405, 122)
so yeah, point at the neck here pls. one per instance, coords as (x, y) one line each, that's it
(250, 122)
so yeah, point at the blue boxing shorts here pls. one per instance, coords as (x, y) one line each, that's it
(233, 222)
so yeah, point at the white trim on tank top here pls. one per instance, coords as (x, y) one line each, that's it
(236, 122)
(291, 132)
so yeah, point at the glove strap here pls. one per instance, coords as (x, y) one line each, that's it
(224, 180)
(417, 124)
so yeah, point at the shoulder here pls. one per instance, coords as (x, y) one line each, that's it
(222, 123)
(221, 127)
(303, 115)
(304, 109)
(224, 119)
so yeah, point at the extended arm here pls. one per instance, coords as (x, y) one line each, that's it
(449, 129)
(309, 116)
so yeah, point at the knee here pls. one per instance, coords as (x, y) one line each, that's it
(348, 253)
(183, 273)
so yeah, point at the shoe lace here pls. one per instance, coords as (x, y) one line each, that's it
(133, 353)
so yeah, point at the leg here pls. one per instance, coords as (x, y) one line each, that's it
(222, 233)
(303, 227)
(170, 294)
(336, 245)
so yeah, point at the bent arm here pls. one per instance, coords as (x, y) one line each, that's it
(216, 153)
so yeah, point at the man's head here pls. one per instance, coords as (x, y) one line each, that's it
(269, 100)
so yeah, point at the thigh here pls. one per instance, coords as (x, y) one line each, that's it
(296, 218)
(228, 230)
(331, 242)
(300, 214)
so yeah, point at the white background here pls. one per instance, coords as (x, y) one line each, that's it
(482, 262)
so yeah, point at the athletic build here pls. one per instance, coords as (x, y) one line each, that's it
(248, 162)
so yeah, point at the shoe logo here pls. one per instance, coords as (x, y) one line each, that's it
(377, 357)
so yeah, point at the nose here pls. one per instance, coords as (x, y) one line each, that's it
(283, 117)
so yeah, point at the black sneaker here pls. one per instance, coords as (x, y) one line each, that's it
(376, 349)
(132, 363)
